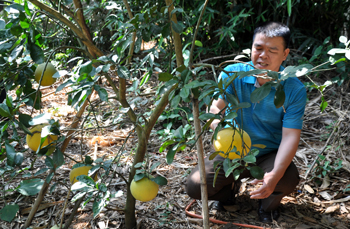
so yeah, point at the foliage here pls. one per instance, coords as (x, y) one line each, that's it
(325, 168)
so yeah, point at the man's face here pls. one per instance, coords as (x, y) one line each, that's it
(268, 52)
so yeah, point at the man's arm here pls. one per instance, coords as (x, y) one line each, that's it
(216, 107)
(286, 152)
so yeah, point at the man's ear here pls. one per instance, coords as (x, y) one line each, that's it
(286, 52)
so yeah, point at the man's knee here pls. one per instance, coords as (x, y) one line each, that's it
(193, 185)
(290, 180)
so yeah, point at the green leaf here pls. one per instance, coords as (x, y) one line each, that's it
(213, 155)
(164, 76)
(13, 158)
(343, 39)
(231, 115)
(2, 24)
(243, 105)
(176, 27)
(232, 99)
(166, 30)
(216, 175)
(24, 24)
(155, 165)
(250, 158)
(101, 92)
(30, 187)
(16, 30)
(260, 93)
(231, 169)
(207, 116)
(323, 104)
(26, 8)
(85, 68)
(236, 173)
(273, 74)
(9, 212)
(257, 172)
(49, 177)
(175, 101)
(280, 96)
(4, 110)
(49, 162)
(138, 165)
(40, 119)
(15, 6)
(181, 68)
(170, 156)
(36, 53)
(58, 158)
(347, 54)
(166, 144)
(97, 206)
(295, 71)
(123, 72)
(336, 51)
(139, 176)
(160, 180)
(184, 93)
(198, 43)
(289, 6)
(226, 164)
(251, 72)
(15, 53)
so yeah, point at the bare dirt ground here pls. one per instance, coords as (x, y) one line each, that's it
(312, 205)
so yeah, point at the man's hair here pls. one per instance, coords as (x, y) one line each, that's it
(274, 29)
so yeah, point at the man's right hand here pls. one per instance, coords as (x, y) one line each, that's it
(215, 108)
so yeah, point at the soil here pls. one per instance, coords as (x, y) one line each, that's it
(318, 202)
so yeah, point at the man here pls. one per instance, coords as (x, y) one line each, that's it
(276, 128)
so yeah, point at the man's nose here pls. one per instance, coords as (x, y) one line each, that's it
(263, 54)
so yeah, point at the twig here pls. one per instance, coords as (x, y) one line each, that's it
(75, 209)
(197, 125)
(337, 201)
(217, 57)
(323, 149)
(64, 207)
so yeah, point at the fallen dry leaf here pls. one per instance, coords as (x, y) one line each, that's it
(332, 209)
(309, 189)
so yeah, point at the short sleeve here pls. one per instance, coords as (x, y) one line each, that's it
(293, 117)
(225, 77)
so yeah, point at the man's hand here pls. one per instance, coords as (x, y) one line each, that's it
(216, 107)
(285, 154)
(269, 183)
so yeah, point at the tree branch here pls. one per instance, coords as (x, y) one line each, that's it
(71, 25)
(177, 38)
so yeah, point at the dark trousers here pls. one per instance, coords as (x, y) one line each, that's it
(223, 185)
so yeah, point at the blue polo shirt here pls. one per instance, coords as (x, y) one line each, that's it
(263, 121)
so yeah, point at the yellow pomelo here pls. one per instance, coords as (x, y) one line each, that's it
(144, 189)
(227, 138)
(83, 170)
(47, 77)
(33, 141)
